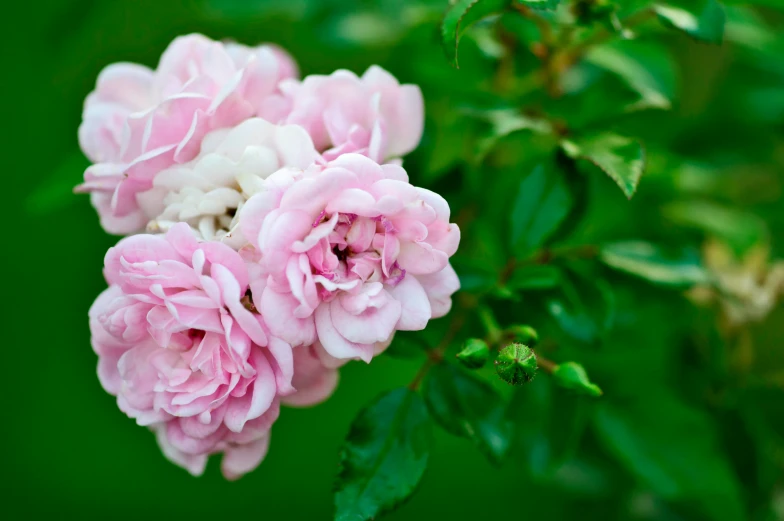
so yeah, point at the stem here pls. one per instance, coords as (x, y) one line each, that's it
(548, 255)
(546, 364)
(494, 331)
(545, 51)
(505, 74)
(414, 385)
(541, 23)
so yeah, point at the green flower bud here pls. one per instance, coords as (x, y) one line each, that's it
(572, 376)
(474, 354)
(525, 335)
(516, 364)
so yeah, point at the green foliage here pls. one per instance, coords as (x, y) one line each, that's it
(534, 277)
(406, 345)
(550, 423)
(700, 19)
(651, 263)
(739, 229)
(543, 202)
(672, 449)
(583, 308)
(621, 158)
(540, 4)
(384, 456)
(646, 68)
(466, 406)
(460, 16)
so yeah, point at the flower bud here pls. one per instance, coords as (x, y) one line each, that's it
(474, 354)
(572, 376)
(525, 335)
(516, 364)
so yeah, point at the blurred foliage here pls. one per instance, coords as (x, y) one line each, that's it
(670, 302)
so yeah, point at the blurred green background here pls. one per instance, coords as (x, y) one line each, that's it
(71, 454)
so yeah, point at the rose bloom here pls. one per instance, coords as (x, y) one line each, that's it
(140, 121)
(184, 351)
(208, 191)
(373, 115)
(347, 254)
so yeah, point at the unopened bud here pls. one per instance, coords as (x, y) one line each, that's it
(573, 376)
(474, 354)
(516, 364)
(525, 335)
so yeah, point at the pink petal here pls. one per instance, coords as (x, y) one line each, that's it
(439, 288)
(239, 460)
(372, 325)
(416, 310)
(334, 343)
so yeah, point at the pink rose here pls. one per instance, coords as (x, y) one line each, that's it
(139, 121)
(347, 254)
(184, 351)
(314, 377)
(373, 115)
(207, 191)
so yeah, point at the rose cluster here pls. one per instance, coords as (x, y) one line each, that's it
(273, 235)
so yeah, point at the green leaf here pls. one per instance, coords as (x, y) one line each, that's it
(56, 191)
(620, 157)
(549, 423)
(383, 457)
(652, 263)
(701, 19)
(580, 190)
(645, 68)
(449, 141)
(572, 375)
(540, 4)
(460, 16)
(739, 229)
(467, 406)
(505, 123)
(672, 449)
(533, 277)
(476, 279)
(747, 28)
(542, 203)
(584, 308)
